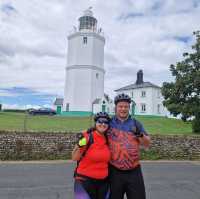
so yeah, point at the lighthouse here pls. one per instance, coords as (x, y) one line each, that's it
(84, 80)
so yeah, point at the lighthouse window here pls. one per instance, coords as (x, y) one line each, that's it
(143, 107)
(85, 40)
(97, 75)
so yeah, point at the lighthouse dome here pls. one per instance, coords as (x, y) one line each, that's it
(87, 22)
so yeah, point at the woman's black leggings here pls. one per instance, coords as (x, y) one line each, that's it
(87, 188)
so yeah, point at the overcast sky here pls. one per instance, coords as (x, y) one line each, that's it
(140, 34)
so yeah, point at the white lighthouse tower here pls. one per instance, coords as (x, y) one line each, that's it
(84, 82)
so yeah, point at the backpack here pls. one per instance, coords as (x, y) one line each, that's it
(90, 142)
(137, 127)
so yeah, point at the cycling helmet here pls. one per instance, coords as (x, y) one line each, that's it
(102, 116)
(122, 98)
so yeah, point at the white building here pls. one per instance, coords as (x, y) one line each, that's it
(147, 97)
(84, 83)
(104, 104)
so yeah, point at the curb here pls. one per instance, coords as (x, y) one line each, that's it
(71, 161)
(37, 162)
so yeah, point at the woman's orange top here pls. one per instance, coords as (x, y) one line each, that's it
(95, 162)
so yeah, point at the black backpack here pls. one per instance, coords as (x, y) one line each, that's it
(90, 142)
(137, 127)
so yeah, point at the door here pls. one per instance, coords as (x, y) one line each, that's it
(58, 111)
(103, 108)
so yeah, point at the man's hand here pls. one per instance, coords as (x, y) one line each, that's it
(137, 132)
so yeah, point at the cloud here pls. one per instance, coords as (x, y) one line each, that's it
(21, 107)
(140, 34)
(6, 93)
(25, 97)
(7, 8)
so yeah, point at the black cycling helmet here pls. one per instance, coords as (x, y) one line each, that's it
(122, 98)
(101, 115)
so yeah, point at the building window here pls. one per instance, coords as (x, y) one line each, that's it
(97, 75)
(143, 94)
(85, 40)
(158, 94)
(67, 107)
(143, 107)
(158, 108)
(131, 94)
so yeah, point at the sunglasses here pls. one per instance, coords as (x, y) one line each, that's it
(102, 121)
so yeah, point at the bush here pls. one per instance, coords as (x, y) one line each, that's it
(196, 125)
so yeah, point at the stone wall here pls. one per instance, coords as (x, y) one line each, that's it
(173, 147)
(34, 146)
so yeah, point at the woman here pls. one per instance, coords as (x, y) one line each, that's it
(92, 155)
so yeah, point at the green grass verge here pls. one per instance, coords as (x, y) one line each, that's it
(163, 125)
(23, 122)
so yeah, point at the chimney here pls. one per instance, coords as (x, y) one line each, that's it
(139, 77)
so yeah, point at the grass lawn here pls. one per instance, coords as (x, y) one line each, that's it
(162, 125)
(21, 121)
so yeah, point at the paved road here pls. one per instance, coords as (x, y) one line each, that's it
(164, 180)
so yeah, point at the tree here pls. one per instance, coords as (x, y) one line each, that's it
(183, 95)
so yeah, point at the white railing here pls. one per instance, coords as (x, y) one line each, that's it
(75, 30)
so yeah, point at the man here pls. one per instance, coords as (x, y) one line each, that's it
(124, 138)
